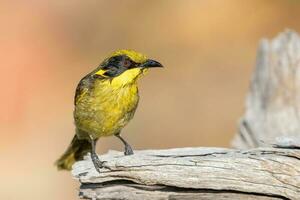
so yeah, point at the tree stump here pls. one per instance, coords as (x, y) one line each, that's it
(273, 102)
(267, 165)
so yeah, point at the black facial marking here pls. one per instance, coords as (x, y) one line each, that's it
(112, 71)
(116, 65)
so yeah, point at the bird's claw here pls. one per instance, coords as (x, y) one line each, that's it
(98, 163)
(128, 150)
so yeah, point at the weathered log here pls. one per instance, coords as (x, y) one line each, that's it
(271, 122)
(197, 173)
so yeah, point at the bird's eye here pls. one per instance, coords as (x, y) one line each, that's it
(127, 63)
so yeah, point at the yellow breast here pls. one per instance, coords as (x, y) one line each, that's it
(106, 109)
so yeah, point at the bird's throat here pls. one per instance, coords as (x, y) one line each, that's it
(128, 77)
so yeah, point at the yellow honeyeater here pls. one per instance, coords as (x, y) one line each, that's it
(105, 101)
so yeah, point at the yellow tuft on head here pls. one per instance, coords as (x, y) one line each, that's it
(133, 55)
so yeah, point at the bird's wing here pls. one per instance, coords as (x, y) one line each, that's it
(81, 90)
(83, 87)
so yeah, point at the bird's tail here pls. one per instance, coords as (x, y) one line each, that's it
(76, 150)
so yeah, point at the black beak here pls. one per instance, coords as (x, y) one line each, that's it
(150, 63)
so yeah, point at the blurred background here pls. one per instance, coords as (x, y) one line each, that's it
(208, 48)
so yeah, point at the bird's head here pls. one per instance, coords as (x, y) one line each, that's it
(125, 66)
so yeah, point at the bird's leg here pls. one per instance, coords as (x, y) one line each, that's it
(96, 161)
(128, 149)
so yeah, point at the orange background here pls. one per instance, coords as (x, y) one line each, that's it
(208, 48)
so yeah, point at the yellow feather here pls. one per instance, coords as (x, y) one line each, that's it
(127, 77)
(133, 55)
(101, 72)
(111, 107)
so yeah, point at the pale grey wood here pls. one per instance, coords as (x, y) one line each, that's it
(266, 173)
(273, 101)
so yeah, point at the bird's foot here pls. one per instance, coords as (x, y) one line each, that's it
(98, 163)
(128, 150)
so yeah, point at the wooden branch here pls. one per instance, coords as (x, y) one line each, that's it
(193, 173)
(272, 116)
(273, 102)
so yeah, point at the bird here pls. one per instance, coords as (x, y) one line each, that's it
(105, 101)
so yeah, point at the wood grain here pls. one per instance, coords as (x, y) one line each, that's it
(161, 174)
